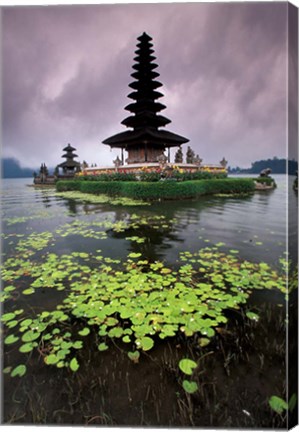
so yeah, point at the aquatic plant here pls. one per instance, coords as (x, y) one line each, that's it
(69, 193)
(136, 302)
(279, 405)
(22, 219)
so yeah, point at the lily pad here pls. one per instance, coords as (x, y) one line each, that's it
(20, 371)
(74, 365)
(84, 332)
(190, 386)
(252, 316)
(11, 339)
(8, 316)
(134, 356)
(146, 343)
(187, 366)
(102, 347)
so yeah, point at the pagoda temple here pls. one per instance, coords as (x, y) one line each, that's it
(70, 166)
(145, 141)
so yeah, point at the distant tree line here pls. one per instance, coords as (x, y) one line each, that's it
(278, 166)
(11, 169)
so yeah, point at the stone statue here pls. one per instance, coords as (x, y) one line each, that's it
(162, 159)
(197, 160)
(178, 158)
(117, 163)
(223, 162)
(265, 172)
(190, 155)
(43, 173)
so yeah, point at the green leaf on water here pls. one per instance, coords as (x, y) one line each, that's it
(204, 342)
(30, 336)
(51, 359)
(8, 316)
(190, 386)
(12, 324)
(146, 343)
(74, 365)
(20, 370)
(134, 255)
(58, 275)
(187, 366)
(9, 288)
(252, 316)
(28, 291)
(84, 332)
(11, 339)
(116, 332)
(277, 404)
(134, 356)
(27, 347)
(102, 347)
(78, 345)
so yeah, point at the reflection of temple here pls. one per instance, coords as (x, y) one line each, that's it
(145, 142)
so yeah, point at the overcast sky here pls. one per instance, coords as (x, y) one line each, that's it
(66, 71)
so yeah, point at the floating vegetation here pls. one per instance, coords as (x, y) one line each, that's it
(187, 366)
(23, 219)
(34, 242)
(82, 228)
(101, 199)
(136, 239)
(136, 302)
(29, 244)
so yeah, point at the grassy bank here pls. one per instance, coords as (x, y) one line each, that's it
(160, 190)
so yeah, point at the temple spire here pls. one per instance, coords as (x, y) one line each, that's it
(146, 142)
(70, 165)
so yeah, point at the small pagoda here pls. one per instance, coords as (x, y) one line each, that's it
(70, 166)
(145, 141)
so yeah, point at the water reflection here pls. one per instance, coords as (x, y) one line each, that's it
(254, 225)
(156, 241)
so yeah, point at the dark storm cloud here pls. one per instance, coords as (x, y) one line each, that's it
(67, 69)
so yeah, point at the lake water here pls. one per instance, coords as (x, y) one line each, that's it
(254, 227)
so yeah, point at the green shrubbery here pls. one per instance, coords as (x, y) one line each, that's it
(198, 175)
(68, 185)
(265, 180)
(161, 190)
(152, 176)
(114, 176)
(102, 187)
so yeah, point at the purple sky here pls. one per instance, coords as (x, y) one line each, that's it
(66, 71)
